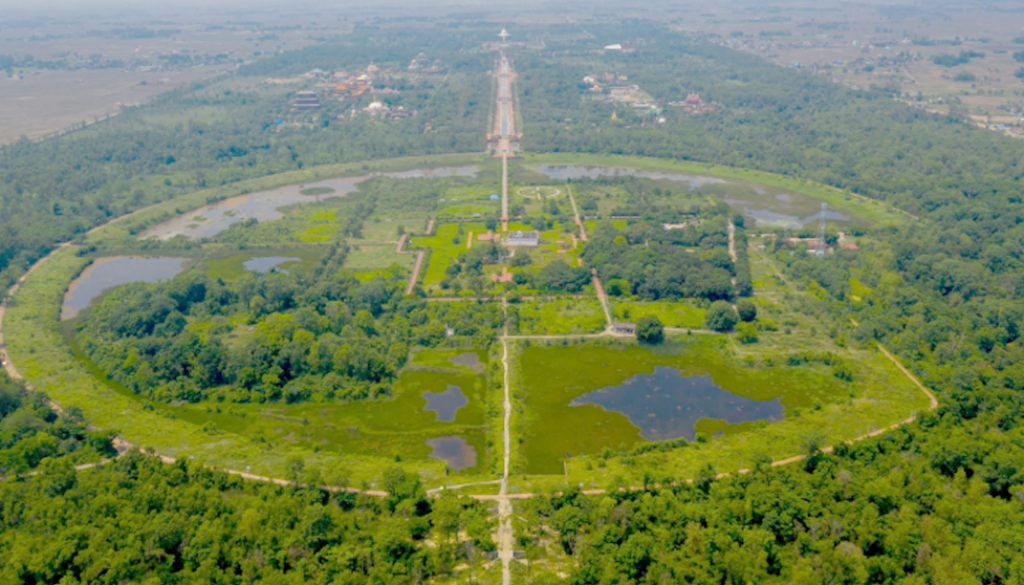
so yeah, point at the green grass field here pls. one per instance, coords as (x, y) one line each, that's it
(393, 428)
(814, 401)
(561, 317)
(683, 314)
(374, 257)
(445, 246)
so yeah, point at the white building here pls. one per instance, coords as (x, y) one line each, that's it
(523, 239)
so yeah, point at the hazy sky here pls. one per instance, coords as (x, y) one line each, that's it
(41, 7)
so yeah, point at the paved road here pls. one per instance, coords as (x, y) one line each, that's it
(506, 124)
(504, 192)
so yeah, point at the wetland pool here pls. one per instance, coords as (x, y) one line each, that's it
(211, 220)
(445, 404)
(469, 359)
(106, 273)
(268, 263)
(667, 405)
(453, 450)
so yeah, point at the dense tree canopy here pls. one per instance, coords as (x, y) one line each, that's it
(664, 264)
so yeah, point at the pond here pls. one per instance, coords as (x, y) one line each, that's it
(666, 405)
(212, 219)
(445, 404)
(106, 273)
(469, 359)
(268, 263)
(453, 450)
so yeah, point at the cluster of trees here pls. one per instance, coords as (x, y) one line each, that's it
(653, 263)
(948, 60)
(137, 520)
(319, 334)
(645, 198)
(31, 433)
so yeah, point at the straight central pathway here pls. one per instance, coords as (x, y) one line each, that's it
(505, 543)
(504, 192)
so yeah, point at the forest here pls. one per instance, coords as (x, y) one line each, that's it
(138, 520)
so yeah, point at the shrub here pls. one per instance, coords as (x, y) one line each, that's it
(617, 287)
(721, 317)
(650, 330)
(747, 310)
(747, 333)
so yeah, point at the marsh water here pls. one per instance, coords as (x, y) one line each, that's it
(566, 172)
(667, 405)
(212, 219)
(777, 218)
(767, 209)
(445, 404)
(268, 263)
(453, 450)
(469, 359)
(106, 273)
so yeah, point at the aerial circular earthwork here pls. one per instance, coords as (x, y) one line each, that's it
(539, 193)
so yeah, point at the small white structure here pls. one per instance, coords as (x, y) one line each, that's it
(504, 35)
(615, 47)
(523, 239)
